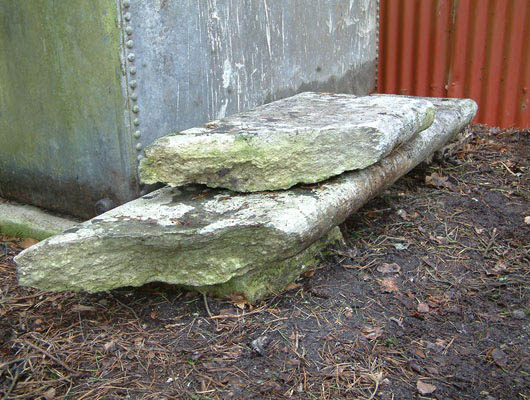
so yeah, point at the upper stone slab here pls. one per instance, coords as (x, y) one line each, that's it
(306, 138)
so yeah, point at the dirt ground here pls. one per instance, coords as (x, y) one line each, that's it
(429, 299)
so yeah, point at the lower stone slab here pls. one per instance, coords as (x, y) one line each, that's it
(274, 278)
(197, 236)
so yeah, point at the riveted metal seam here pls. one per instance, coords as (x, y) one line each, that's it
(130, 83)
(377, 48)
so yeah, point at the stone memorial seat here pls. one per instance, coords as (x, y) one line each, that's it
(280, 179)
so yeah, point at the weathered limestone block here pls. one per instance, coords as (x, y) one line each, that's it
(209, 237)
(305, 138)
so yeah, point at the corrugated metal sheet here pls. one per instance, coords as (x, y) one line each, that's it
(459, 48)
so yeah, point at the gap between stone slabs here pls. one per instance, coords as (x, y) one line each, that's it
(305, 138)
(209, 237)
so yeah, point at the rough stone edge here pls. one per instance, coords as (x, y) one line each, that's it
(273, 278)
(234, 160)
(22, 220)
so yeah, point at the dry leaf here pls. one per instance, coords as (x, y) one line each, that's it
(291, 286)
(49, 394)
(110, 346)
(139, 342)
(423, 308)
(389, 268)
(419, 352)
(236, 297)
(425, 388)
(372, 333)
(355, 266)
(333, 370)
(238, 300)
(81, 308)
(403, 214)
(432, 370)
(499, 268)
(389, 285)
(308, 274)
(28, 242)
(240, 304)
(439, 181)
(259, 344)
(500, 358)
(227, 311)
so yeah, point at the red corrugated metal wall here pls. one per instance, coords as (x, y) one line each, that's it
(459, 48)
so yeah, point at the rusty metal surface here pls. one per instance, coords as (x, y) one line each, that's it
(459, 48)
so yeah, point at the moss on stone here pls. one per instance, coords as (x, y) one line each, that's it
(25, 221)
(22, 230)
(273, 278)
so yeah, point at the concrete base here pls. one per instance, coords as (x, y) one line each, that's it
(24, 221)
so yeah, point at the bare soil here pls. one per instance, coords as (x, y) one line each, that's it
(429, 299)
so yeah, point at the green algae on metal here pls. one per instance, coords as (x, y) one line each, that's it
(61, 88)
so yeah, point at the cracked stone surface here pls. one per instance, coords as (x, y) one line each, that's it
(201, 237)
(306, 138)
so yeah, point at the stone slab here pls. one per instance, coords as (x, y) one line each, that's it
(274, 278)
(306, 138)
(201, 237)
(23, 221)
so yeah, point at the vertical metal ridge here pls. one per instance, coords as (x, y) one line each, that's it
(523, 103)
(495, 39)
(511, 70)
(424, 20)
(459, 48)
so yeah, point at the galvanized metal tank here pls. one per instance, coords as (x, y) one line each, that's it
(86, 85)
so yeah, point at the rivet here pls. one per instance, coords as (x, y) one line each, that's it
(128, 30)
(126, 3)
(136, 122)
(138, 146)
(131, 57)
(133, 84)
(134, 96)
(140, 158)
(130, 44)
(137, 135)
(127, 16)
(132, 70)
(136, 109)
